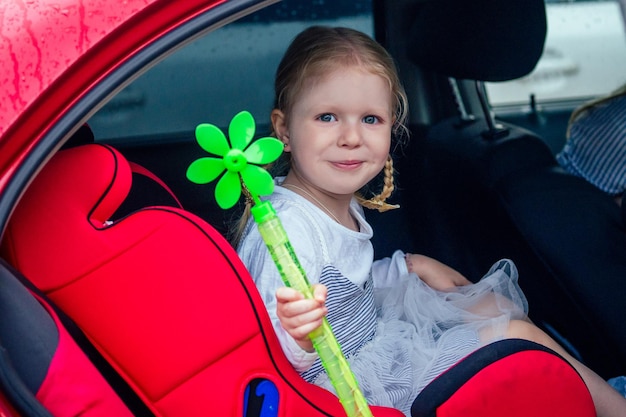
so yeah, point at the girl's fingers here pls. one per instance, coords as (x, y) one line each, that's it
(319, 293)
(302, 324)
(286, 294)
(304, 330)
(303, 310)
(299, 315)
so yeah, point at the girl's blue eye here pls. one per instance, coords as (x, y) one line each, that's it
(370, 119)
(327, 117)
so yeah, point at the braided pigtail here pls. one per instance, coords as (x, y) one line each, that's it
(235, 234)
(378, 201)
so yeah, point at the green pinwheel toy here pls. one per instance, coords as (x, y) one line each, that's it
(240, 161)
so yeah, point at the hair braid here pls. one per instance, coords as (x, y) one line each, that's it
(378, 201)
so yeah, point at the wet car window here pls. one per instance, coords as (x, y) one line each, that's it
(584, 56)
(226, 71)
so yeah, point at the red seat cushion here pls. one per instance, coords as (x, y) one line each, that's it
(41, 363)
(73, 386)
(513, 378)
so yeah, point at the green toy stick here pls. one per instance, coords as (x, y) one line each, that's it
(238, 160)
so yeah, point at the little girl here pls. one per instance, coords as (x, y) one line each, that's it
(401, 321)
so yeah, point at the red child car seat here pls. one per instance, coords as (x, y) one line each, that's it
(159, 293)
(166, 300)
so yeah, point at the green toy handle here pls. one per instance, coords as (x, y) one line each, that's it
(323, 339)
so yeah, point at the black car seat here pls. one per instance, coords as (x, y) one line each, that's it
(488, 189)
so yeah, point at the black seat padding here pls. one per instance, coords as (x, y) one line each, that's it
(578, 232)
(506, 195)
(28, 340)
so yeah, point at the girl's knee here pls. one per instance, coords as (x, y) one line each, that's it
(520, 329)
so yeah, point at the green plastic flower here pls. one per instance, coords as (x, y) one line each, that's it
(240, 160)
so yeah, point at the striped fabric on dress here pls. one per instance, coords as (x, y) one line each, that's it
(351, 314)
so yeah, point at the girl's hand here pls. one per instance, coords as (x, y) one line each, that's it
(300, 316)
(435, 274)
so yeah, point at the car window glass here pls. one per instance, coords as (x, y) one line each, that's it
(220, 74)
(584, 56)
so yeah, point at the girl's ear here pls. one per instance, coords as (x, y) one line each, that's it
(279, 123)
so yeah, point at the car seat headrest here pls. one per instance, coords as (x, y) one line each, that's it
(87, 189)
(484, 40)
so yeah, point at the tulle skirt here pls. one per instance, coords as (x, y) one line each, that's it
(422, 332)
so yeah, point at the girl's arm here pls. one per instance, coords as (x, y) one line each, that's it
(252, 250)
(434, 273)
(300, 316)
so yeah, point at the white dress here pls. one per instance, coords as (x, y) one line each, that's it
(397, 333)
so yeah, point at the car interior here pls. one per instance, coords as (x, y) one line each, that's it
(114, 266)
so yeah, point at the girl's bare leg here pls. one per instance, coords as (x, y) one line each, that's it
(607, 400)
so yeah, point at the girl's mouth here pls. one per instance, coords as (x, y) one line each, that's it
(347, 165)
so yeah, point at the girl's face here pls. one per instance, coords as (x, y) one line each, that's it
(338, 131)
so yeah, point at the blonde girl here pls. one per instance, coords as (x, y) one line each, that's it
(403, 320)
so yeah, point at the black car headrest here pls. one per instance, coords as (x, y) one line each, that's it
(484, 40)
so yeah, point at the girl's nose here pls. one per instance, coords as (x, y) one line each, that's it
(350, 136)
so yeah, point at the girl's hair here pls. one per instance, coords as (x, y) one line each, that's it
(320, 50)
(590, 105)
